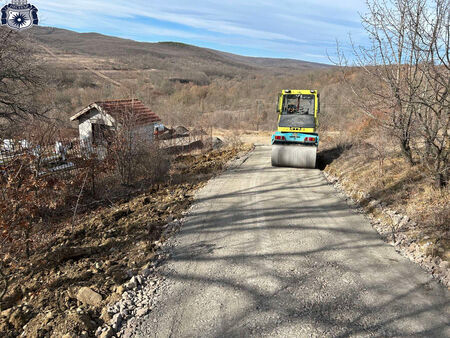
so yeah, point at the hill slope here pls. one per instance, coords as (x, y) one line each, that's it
(165, 56)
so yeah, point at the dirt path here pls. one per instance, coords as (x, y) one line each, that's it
(274, 252)
(103, 76)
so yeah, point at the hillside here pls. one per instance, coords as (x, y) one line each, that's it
(177, 80)
(114, 53)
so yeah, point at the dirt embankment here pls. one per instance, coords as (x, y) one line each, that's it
(402, 203)
(64, 288)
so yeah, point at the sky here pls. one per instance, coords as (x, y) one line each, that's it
(302, 29)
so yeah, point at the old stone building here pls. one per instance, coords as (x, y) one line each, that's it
(99, 119)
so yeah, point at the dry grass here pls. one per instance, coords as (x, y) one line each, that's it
(401, 187)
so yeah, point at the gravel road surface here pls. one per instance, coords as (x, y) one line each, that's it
(275, 252)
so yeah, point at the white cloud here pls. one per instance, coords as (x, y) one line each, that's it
(259, 25)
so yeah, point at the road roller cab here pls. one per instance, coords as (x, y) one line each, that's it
(296, 141)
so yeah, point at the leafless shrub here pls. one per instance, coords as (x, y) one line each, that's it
(21, 78)
(235, 138)
(135, 153)
(27, 197)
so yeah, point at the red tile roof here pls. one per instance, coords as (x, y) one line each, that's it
(119, 108)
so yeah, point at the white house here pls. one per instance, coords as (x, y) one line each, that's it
(100, 118)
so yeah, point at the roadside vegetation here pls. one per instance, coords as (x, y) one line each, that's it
(394, 159)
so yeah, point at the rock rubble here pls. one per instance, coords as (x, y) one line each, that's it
(139, 293)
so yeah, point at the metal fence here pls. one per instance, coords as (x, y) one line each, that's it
(66, 155)
(46, 159)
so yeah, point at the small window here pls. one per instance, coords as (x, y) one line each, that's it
(298, 104)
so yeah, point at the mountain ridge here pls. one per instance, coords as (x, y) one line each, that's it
(99, 45)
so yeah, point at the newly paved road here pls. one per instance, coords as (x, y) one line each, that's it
(275, 252)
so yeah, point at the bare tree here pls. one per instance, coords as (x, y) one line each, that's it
(260, 114)
(21, 78)
(405, 77)
(431, 92)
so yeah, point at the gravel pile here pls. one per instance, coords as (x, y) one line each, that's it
(139, 294)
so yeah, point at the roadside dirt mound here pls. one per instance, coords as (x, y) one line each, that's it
(64, 288)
